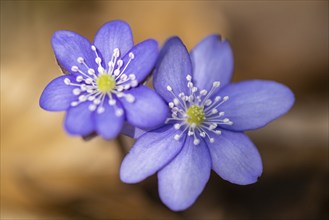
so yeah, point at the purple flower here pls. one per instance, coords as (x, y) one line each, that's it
(205, 128)
(103, 87)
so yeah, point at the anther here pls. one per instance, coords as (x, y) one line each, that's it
(216, 84)
(97, 101)
(203, 92)
(119, 63)
(116, 52)
(91, 71)
(112, 102)
(93, 47)
(76, 91)
(67, 81)
(177, 137)
(92, 107)
(100, 109)
(196, 141)
(118, 112)
(82, 98)
(74, 103)
(80, 60)
(131, 55)
(98, 60)
(130, 98)
(79, 79)
(74, 69)
(177, 126)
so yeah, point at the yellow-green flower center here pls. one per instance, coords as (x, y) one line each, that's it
(105, 83)
(196, 115)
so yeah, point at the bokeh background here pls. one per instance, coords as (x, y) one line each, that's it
(46, 174)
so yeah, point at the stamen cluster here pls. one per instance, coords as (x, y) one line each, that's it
(197, 112)
(95, 87)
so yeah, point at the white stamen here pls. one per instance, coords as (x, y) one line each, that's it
(100, 109)
(80, 60)
(177, 126)
(216, 84)
(92, 107)
(177, 137)
(204, 119)
(74, 69)
(118, 112)
(86, 83)
(67, 81)
(112, 102)
(130, 98)
(76, 91)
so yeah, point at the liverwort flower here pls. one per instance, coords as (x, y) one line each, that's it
(103, 87)
(205, 128)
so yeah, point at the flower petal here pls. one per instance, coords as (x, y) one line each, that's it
(212, 60)
(114, 34)
(253, 104)
(172, 67)
(107, 124)
(235, 158)
(57, 96)
(147, 111)
(68, 46)
(184, 178)
(145, 55)
(78, 120)
(131, 131)
(150, 153)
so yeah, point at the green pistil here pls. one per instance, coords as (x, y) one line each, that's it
(196, 115)
(105, 83)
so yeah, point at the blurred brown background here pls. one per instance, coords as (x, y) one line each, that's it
(46, 174)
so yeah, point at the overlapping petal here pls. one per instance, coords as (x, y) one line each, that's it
(212, 60)
(252, 104)
(69, 46)
(235, 158)
(145, 55)
(114, 34)
(107, 124)
(150, 153)
(184, 178)
(131, 131)
(57, 96)
(147, 111)
(172, 67)
(79, 121)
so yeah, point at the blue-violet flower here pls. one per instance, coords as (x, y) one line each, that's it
(103, 87)
(205, 128)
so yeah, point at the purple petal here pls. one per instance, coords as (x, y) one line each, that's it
(184, 178)
(150, 153)
(235, 158)
(145, 55)
(173, 65)
(107, 124)
(57, 96)
(69, 46)
(78, 120)
(131, 131)
(147, 111)
(212, 60)
(253, 104)
(114, 34)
